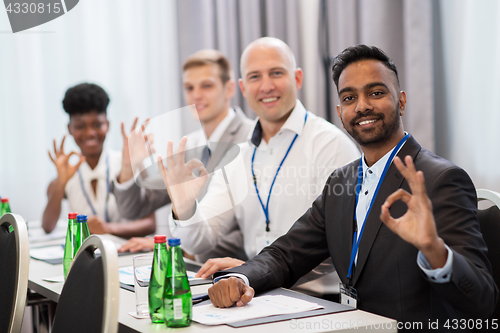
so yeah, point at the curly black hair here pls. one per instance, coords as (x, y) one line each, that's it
(357, 53)
(85, 98)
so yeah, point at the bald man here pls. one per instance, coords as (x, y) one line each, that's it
(285, 162)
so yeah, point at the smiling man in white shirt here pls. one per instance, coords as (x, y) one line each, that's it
(283, 165)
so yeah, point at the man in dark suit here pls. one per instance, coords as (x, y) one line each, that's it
(421, 256)
(208, 83)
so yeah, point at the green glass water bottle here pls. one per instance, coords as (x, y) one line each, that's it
(156, 282)
(5, 206)
(4, 209)
(177, 299)
(82, 231)
(71, 245)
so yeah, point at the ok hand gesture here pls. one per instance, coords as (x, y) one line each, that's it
(64, 169)
(417, 225)
(183, 187)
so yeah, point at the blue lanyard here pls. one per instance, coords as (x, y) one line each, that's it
(356, 240)
(266, 207)
(106, 215)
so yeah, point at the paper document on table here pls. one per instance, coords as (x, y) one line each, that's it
(47, 253)
(259, 307)
(59, 278)
(53, 254)
(126, 275)
(38, 238)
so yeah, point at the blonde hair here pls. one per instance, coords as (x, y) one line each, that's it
(210, 57)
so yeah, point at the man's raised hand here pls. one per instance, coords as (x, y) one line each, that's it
(183, 187)
(135, 149)
(417, 225)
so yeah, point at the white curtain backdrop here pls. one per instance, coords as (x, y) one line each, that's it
(126, 46)
(134, 49)
(403, 29)
(467, 51)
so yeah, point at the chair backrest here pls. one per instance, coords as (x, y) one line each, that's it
(14, 259)
(89, 299)
(489, 220)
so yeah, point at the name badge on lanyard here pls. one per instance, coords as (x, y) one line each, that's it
(348, 296)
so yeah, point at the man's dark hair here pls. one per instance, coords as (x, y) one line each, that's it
(357, 53)
(85, 98)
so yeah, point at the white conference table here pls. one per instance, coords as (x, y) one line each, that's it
(337, 322)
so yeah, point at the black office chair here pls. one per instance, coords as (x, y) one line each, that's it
(89, 299)
(489, 220)
(14, 259)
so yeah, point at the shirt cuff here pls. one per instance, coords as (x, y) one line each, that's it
(123, 186)
(438, 275)
(241, 276)
(197, 217)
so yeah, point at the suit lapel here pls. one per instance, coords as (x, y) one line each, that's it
(226, 141)
(392, 182)
(347, 214)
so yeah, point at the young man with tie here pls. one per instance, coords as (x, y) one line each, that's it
(208, 83)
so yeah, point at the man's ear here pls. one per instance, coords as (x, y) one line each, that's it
(230, 88)
(402, 102)
(242, 87)
(69, 129)
(299, 78)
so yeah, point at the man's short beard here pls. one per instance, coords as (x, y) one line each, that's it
(383, 136)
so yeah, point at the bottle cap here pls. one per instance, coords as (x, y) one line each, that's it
(174, 242)
(160, 239)
(4, 200)
(81, 218)
(72, 216)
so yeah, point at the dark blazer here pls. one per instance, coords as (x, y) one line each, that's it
(387, 278)
(136, 202)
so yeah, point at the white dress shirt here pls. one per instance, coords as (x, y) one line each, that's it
(319, 149)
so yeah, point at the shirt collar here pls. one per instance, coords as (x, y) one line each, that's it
(294, 123)
(99, 170)
(378, 166)
(221, 128)
(218, 132)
